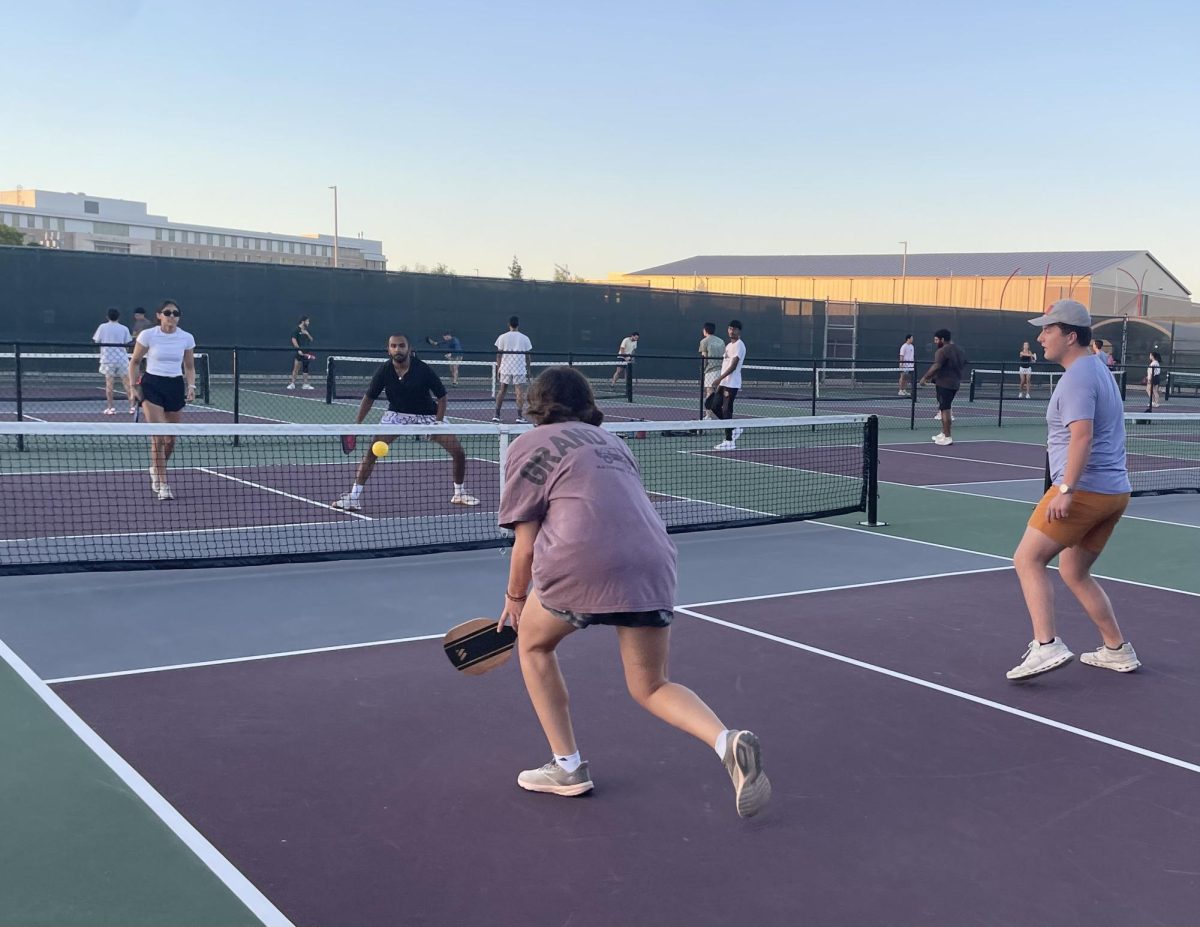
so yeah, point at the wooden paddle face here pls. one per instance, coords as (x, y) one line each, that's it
(475, 646)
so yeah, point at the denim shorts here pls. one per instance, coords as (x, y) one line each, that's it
(656, 618)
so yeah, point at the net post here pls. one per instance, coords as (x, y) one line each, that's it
(629, 380)
(237, 393)
(17, 374)
(502, 457)
(330, 386)
(1123, 383)
(912, 406)
(703, 362)
(871, 462)
(1000, 404)
(813, 398)
(202, 378)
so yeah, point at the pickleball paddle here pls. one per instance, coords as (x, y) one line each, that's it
(349, 443)
(475, 646)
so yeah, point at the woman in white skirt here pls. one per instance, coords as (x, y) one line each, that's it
(1025, 361)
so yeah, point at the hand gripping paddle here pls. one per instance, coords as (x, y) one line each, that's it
(475, 646)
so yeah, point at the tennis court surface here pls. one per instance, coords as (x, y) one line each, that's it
(284, 743)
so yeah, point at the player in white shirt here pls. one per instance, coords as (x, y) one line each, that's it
(1153, 379)
(908, 355)
(730, 381)
(114, 362)
(625, 355)
(168, 384)
(512, 367)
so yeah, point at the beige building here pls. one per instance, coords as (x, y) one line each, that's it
(78, 222)
(1108, 282)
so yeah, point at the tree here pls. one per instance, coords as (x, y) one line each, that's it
(514, 269)
(11, 236)
(562, 274)
(441, 268)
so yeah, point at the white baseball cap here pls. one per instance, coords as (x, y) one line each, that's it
(1065, 312)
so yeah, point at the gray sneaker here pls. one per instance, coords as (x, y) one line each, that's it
(743, 762)
(1123, 659)
(554, 779)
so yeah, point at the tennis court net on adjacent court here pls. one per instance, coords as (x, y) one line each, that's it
(1163, 452)
(347, 377)
(1008, 383)
(48, 377)
(80, 496)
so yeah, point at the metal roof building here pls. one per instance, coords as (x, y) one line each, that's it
(1109, 282)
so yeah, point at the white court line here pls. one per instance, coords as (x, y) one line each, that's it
(980, 553)
(248, 659)
(880, 582)
(280, 492)
(994, 463)
(241, 887)
(721, 505)
(946, 690)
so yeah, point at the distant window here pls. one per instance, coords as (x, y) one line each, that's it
(110, 228)
(171, 237)
(91, 207)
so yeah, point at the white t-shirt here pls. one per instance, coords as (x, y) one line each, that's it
(1153, 370)
(907, 353)
(734, 349)
(628, 346)
(164, 353)
(513, 363)
(110, 333)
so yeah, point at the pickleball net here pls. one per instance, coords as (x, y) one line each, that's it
(1163, 452)
(43, 378)
(80, 495)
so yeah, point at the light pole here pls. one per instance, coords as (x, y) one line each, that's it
(335, 226)
(903, 269)
(1139, 286)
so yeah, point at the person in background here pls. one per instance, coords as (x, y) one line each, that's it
(301, 339)
(114, 361)
(712, 349)
(591, 549)
(452, 351)
(908, 355)
(1025, 361)
(1098, 349)
(1153, 379)
(512, 367)
(625, 355)
(168, 384)
(140, 324)
(1085, 446)
(730, 381)
(946, 372)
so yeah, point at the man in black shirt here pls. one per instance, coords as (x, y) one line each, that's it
(301, 339)
(416, 396)
(946, 372)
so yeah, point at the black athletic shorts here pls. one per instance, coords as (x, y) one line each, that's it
(945, 397)
(168, 392)
(304, 359)
(657, 618)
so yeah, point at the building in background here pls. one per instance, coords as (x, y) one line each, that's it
(1110, 283)
(77, 222)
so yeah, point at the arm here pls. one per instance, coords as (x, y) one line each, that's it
(933, 368)
(1078, 451)
(295, 344)
(135, 362)
(189, 373)
(520, 573)
(364, 407)
(440, 415)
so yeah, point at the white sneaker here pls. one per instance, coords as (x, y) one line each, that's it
(290, 386)
(463, 498)
(307, 386)
(110, 411)
(495, 418)
(347, 504)
(164, 492)
(1123, 659)
(737, 433)
(1041, 658)
(521, 420)
(938, 436)
(154, 484)
(943, 440)
(725, 446)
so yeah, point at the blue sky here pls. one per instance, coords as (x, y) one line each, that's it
(616, 136)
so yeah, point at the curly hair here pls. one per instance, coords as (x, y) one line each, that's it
(562, 394)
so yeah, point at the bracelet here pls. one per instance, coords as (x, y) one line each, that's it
(516, 598)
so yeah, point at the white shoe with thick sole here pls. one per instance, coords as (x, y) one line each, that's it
(725, 446)
(1041, 658)
(943, 440)
(290, 386)
(555, 780)
(307, 386)
(347, 504)
(737, 433)
(164, 493)
(1122, 660)
(464, 498)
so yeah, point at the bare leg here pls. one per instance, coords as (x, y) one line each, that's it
(108, 391)
(128, 391)
(369, 459)
(500, 391)
(1033, 555)
(947, 422)
(295, 370)
(459, 459)
(644, 652)
(1075, 568)
(539, 633)
(161, 446)
(520, 390)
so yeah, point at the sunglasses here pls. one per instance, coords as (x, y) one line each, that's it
(171, 313)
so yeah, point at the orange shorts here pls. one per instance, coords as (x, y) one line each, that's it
(1090, 524)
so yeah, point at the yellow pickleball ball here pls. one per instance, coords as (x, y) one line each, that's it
(380, 449)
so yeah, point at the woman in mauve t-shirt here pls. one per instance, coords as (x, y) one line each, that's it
(596, 552)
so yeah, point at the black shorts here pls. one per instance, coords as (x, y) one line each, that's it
(167, 392)
(1156, 379)
(945, 397)
(657, 618)
(304, 360)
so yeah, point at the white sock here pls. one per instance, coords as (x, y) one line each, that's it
(356, 491)
(720, 743)
(458, 488)
(569, 763)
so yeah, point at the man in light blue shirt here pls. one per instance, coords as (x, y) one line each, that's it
(1086, 450)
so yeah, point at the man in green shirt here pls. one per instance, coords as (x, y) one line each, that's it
(712, 349)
